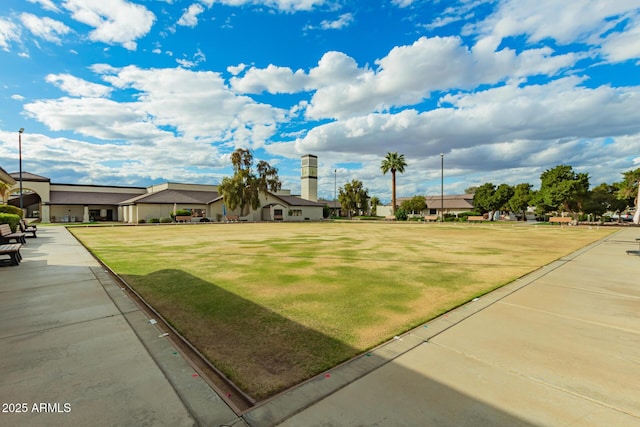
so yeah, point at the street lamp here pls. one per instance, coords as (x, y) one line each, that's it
(442, 185)
(335, 193)
(20, 157)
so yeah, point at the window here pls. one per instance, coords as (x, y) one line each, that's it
(295, 212)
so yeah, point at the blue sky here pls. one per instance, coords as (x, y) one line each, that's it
(146, 91)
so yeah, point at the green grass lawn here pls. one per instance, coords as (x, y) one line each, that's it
(274, 304)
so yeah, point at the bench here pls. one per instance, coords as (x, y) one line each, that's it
(26, 228)
(475, 218)
(13, 250)
(6, 235)
(390, 218)
(561, 219)
(232, 218)
(430, 218)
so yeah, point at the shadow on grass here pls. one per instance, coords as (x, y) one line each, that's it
(266, 353)
(257, 348)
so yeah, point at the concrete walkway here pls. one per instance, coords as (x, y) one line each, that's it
(76, 351)
(558, 347)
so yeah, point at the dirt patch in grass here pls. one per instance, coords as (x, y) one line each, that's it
(274, 304)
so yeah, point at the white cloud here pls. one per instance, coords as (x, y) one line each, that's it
(9, 32)
(271, 79)
(333, 68)
(45, 28)
(402, 3)
(515, 125)
(190, 16)
(78, 87)
(342, 22)
(237, 69)
(46, 4)
(408, 74)
(565, 22)
(282, 5)
(18, 97)
(194, 105)
(115, 21)
(620, 46)
(197, 59)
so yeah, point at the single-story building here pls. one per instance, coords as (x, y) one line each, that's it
(449, 204)
(53, 202)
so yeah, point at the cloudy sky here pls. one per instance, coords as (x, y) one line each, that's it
(146, 91)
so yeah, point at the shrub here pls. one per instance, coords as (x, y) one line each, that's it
(142, 221)
(166, 220)
(11, 210)
(11, 219)
(218, 217)
(205, 220)
(448, 217)
(401, 215)
(154, 220)
(183, 212)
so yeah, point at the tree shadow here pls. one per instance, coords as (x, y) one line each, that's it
(260, 350)
(288, 367)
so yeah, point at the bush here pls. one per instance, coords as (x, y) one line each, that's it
(154, 221)
(205, 220)
(450, 217)
(326, 211)
(166, 220)
(11, 210)
(142, 221)
(11, 219)
(401, 215)
(183, 212)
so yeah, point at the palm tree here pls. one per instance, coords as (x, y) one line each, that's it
(393, 162)
(4, 191)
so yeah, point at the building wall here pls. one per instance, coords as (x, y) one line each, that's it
(307, 213)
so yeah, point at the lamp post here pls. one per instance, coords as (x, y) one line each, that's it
(442, 186)
(335, 193)
(20, 157)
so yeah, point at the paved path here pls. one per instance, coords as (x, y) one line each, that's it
(72, 340)
(559, 347)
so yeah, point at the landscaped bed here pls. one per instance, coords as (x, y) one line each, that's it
(273, 304)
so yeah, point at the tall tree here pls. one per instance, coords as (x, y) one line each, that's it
(519, 201)
(602, 199)
(484, 199)
(416, 204)
(629, 189)
(562, 189)
(244, 188)
(374, 205)
(393, 162)
(503, 194)
(353, 197)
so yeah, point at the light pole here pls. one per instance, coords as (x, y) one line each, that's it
(20, 157)
(442, 186)
(335, 193)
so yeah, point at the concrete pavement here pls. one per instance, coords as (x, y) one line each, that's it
(560, 346)
(76, 351)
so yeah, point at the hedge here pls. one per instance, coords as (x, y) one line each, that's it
(11, 219)
(11, 210)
